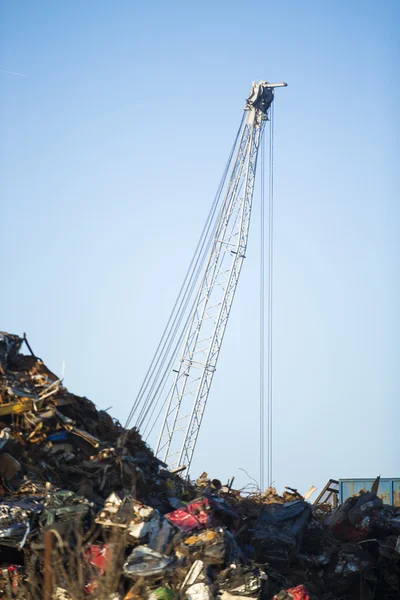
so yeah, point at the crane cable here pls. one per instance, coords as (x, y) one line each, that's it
(150, 421)
(145, 398)
(270, 293)
(266, 317)
(262, 317)
(207, 235)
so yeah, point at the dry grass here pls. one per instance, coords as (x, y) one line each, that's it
(71, 571)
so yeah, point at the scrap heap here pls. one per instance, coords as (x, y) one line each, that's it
(88, 512)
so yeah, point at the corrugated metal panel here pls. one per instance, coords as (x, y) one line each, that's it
(389, 489)
(352, 487)
(385, 491)
(396, 492)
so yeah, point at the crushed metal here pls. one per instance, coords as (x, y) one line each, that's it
(122, 527)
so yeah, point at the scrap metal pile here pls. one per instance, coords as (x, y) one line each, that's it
(87, 511)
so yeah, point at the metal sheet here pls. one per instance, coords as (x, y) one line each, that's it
(396, 492)
(385, 491)
(388, 491)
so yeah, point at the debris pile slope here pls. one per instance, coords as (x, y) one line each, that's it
(57, 437)
(88, 512)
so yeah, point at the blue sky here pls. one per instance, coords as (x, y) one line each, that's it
(113, 141)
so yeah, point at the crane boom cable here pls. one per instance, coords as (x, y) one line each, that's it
(200, 263)
(161, 386)
(270, 296)
(262, 319)
(152, 422)
(182, 300)
(169, 341)
(170, 330)
(143, 414)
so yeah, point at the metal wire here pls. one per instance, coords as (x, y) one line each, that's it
(262, 318)
(270, 294)
(154, 378)
(168, 333)
(183, 330)
(154, 397)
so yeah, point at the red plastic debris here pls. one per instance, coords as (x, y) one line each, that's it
(202, 514)
(98, 556)
(15, 573)
(299, 593)
(196, 515)
(10, 579)
(296, 593)
(182, 519)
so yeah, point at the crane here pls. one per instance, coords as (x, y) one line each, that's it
(207, 320)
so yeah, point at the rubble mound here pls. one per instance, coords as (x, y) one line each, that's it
(88, 512)
(56, 437)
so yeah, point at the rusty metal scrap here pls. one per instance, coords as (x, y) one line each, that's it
(86, 503)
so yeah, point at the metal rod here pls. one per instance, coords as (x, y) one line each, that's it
(29, 348)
